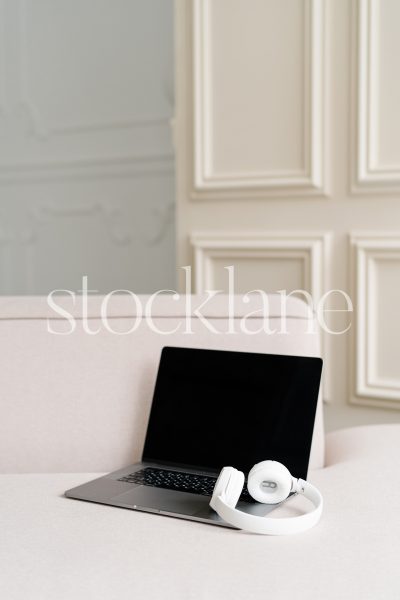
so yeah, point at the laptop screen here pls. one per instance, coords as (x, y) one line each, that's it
(216, 408)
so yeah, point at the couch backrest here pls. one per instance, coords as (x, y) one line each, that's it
(80, 402)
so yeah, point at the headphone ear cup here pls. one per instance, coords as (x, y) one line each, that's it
(229, 485)
(269, 482)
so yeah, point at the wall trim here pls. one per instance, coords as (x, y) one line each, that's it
(369, 175)
(135, 166)
(311, 181)
(368, 388)
(311, 247)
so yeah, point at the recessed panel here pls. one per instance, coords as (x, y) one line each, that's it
(377, 332)
(267, 273)
(255, 75)
(386, 46)
(385, 319)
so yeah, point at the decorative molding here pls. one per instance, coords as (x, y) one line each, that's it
(113, 216)
(369, 388)
(369, 175)
(139, 123)
(311, 180)
(311, 248)
(164, 219)
(31, 122)
(308, 247)
(134, 166)
(119, 231)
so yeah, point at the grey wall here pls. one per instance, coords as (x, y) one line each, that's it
(86, 158)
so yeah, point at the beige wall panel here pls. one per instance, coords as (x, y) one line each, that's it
(387, 46)
(263, 103)
(258, 127)
(280, 273)
(377, 342)
(378, 96)
(269, 262)
(345, 47)
(387, 350)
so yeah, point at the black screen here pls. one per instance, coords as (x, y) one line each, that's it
(214, 408)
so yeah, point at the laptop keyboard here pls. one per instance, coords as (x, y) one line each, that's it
(179, 481)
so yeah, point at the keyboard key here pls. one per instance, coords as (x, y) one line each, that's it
(177, 480)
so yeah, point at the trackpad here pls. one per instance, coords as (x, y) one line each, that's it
(162, 500)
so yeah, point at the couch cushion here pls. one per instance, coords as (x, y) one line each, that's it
(54, 547)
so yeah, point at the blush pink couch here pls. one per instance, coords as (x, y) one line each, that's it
(73, 406)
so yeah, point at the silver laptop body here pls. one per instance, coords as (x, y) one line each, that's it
(214, 408)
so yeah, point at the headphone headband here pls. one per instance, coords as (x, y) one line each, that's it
(229, 487)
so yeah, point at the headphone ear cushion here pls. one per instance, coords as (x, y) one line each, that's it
(234, 488)
(221, 484)
(269, 482)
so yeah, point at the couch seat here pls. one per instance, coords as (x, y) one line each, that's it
(56, 548)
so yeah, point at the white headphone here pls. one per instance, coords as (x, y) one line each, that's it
(268, 482)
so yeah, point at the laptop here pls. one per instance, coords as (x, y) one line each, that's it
(210, 409)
